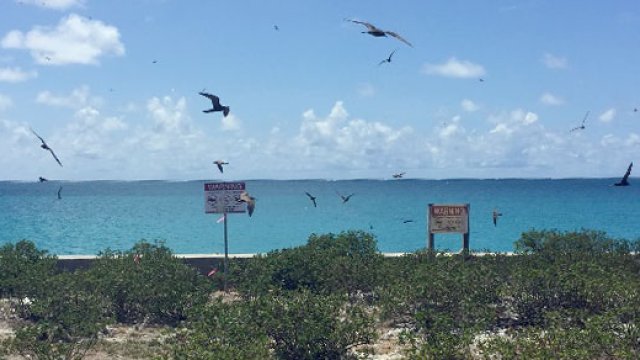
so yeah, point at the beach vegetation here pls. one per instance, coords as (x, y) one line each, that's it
(571, 295)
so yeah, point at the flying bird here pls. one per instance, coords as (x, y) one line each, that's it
(220, 163)
(215, 101)
(388, 59)
(41, 179)
(625, 179)
(581, 127)
(250, 200)
(398, 175)
(46, 147)
(495, 216)
(312, 198)
(59, 191)
(345, 198)
(407, 221)
(377, 32)
(276, 28)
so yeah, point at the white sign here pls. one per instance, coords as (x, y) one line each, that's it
(449, 218)
(223, 197)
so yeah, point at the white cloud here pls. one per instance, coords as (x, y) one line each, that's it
(16, 75)
(455, 68)
(230, 123)
(608, 115)
(366, 90)
(54, 4)
(550, 99)
(75, 40)
(469, 106)
(633, 140)
(5, 102)
(78, 98)
(554, 62)
(340, 141)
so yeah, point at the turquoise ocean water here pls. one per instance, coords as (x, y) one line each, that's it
(95, 215)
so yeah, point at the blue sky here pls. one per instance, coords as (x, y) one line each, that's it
(490, 89)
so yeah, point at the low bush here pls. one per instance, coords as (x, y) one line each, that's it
(65, 320)
(24, 269)
(347, 263)
(147, 284)
(305, 325)
(221, 331)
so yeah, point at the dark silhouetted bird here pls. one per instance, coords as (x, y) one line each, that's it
(495, 216)
(377, 32)
(398, 175)
(388, 59)
(345, 198)
(407, 221)
(581, 127)
(625, 179)
(215, 101)
(249, 200)
(219, 163)
(59, 191)
(41, 179)
(46, 147)
(312, 198)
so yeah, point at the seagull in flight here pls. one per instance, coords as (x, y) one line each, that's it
(377, 32)
(46, 147)
(625, 179)
(388, 59)
(581, 127)
(345, 198)
(398, 175)
(215, 101)
(220, 163)
(41, 179)
(312, 198)
(250, 200)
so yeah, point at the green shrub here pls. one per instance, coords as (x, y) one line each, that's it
(64, 320)
(553, 242)
(24, 269)
(304, 325)
(158, 288)
(345, 263)
(222, 332)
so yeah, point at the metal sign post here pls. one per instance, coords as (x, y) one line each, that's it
(448, 218)
(224, 198)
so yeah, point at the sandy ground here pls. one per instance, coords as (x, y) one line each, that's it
(135, 342)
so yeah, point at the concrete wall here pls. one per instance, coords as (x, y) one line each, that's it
(203, 262)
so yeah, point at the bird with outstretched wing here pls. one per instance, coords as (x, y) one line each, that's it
(377, 32)
(312, 198)
(215, 102)
(46, 147)
(625, 179)
(581, 127)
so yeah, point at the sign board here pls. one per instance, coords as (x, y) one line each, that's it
(223, 197)
(448, 218)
